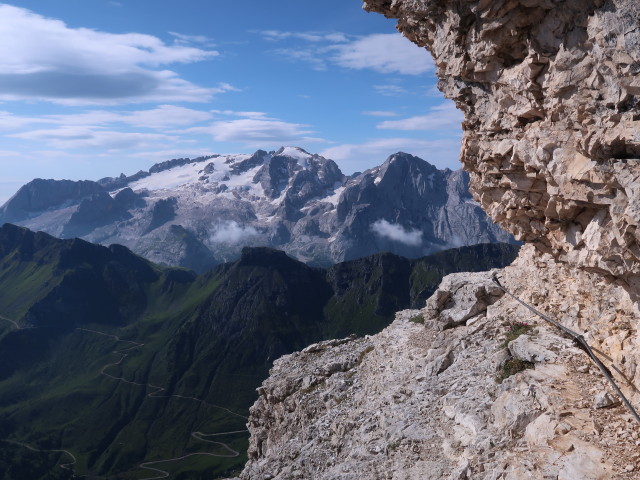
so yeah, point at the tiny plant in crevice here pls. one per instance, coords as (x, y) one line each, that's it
(364, 352)
(515, 330)
(511, 367)
(417, 319)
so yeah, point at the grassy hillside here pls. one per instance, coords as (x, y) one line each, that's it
(121, 362)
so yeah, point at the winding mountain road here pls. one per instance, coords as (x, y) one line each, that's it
(15, 324)
(199, 436)
(155, 393)
(66, 466)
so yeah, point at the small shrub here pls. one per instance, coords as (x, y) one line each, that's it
(511, 367)
(515, 330)
(417, 319)
(363, 353)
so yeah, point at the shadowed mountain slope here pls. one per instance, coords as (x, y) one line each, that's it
(120, 361)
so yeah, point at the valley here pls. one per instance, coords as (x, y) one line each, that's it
(163, 364)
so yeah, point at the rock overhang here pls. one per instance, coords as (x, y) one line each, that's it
(550, 92)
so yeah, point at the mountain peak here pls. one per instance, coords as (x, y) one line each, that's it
(407, 158)
(199, 212)
(298, 154)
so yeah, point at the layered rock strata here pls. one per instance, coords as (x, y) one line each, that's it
(550, 92)
(427, 401)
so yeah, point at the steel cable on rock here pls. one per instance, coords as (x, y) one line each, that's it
(580, 342)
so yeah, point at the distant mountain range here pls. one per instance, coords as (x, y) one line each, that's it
(198, 213)
(119, 361)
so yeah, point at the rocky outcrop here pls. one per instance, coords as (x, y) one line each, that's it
(163, 211)
(549, 89)
(40, 195)
(498, 393)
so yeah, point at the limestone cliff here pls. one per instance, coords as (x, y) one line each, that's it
(550, 90)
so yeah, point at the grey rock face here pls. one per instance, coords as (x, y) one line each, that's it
(40, 195)
(163, 211)
(288, 199)
(95, 211)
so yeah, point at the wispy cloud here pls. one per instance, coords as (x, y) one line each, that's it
(44, 59)
(442, 153)
(278, 35)
(256, 129)
(232, 232)
(182, 39)
(240, 113)
(397, 233)
(78, 137)
(384, 53)
(441, 117)
(390, 90)
(380, 113)
(163, 116)
(160, 155)
(92, 124)
(309, 56)
(10, 154)
(9, 121)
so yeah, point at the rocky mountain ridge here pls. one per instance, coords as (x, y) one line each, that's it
(200, 212)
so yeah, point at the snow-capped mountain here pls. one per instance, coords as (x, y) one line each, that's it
(200, 212)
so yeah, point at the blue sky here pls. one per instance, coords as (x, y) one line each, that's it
(93, 88)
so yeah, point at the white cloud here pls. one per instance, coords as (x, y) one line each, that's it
(397, 233)
(442, 117)
(256, 129)
(232, 232)
(157, 118)
(443, 153)
(163, 116)
(310, 56)
(76, 137)
(277, 35)
(10, 154)
(9, 121)
(42, 58)
(235, 113)
(380, 113)
(161, 155)
(384, 53)
(390, 90)
(182, 39)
